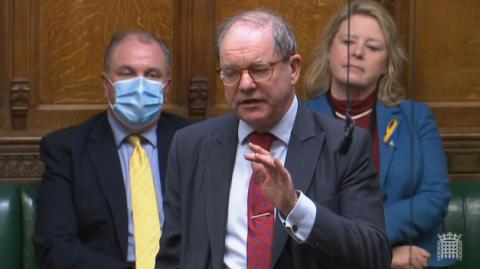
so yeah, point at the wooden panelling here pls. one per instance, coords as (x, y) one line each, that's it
(194, 46)
(19, 157)
(20, 90)
(74, 35)
(448, 46)
(51, 57)
(447, 60)
(4, 64)
(463, 154)
(443, 70)
(58, 49)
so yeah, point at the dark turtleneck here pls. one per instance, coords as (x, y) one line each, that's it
(361, 112)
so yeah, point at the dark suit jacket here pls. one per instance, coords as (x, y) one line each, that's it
(82, 217)
(348, 231)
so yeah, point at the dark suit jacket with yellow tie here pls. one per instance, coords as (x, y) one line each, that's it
(82, 217)
(348, 231)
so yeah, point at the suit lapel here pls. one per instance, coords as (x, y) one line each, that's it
(219, 160)
(303, 145)
(103, 154)
(165, 133)
(385, 118)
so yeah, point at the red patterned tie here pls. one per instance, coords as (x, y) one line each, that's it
(260, 216)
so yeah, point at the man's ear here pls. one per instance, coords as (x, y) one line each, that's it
(108, 90)
(295, 62)
(166, 90)
(106, 84)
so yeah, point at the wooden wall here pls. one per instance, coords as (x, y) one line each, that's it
(51, 59)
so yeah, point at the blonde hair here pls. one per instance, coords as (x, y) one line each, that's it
(318, 76)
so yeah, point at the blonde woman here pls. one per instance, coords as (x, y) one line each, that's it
(407, 147)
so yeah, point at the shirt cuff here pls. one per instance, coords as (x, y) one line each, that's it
(299, 222)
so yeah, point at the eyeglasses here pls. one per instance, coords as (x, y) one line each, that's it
(231, 74)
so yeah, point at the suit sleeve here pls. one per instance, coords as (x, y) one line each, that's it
(432, 193)
(349, 230)
(56, 238)
(170, 242)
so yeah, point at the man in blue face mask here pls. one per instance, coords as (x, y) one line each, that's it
(100, 202)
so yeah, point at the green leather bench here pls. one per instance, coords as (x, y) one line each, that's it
(463, 218)
(17, 214)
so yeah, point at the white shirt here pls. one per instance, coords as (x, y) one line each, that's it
(302, 215)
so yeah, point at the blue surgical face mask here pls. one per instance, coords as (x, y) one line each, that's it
(138, 101)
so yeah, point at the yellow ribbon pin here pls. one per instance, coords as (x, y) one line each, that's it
(392, 125)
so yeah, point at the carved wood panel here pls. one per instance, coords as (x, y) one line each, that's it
(51, 58)
(443, 70)
(19, 158)
(447, 61)
(194, 44)
(57, 50)
(4, 65)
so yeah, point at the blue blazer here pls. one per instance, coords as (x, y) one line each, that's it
(413, 173)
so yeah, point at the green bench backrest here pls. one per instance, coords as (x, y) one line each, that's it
(463, 218)
(17, 218)
(17, 215)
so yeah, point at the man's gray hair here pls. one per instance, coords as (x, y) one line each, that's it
(285, 43)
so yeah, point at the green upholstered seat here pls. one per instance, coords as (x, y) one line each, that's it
(28, 197)
(17, 219)
(10, 226)
(463, 218)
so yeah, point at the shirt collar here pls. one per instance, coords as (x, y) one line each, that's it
(281, 131)
(120, 133)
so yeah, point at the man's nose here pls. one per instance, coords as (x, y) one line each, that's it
(246, 81)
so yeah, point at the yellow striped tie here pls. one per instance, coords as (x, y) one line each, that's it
(146, 220)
